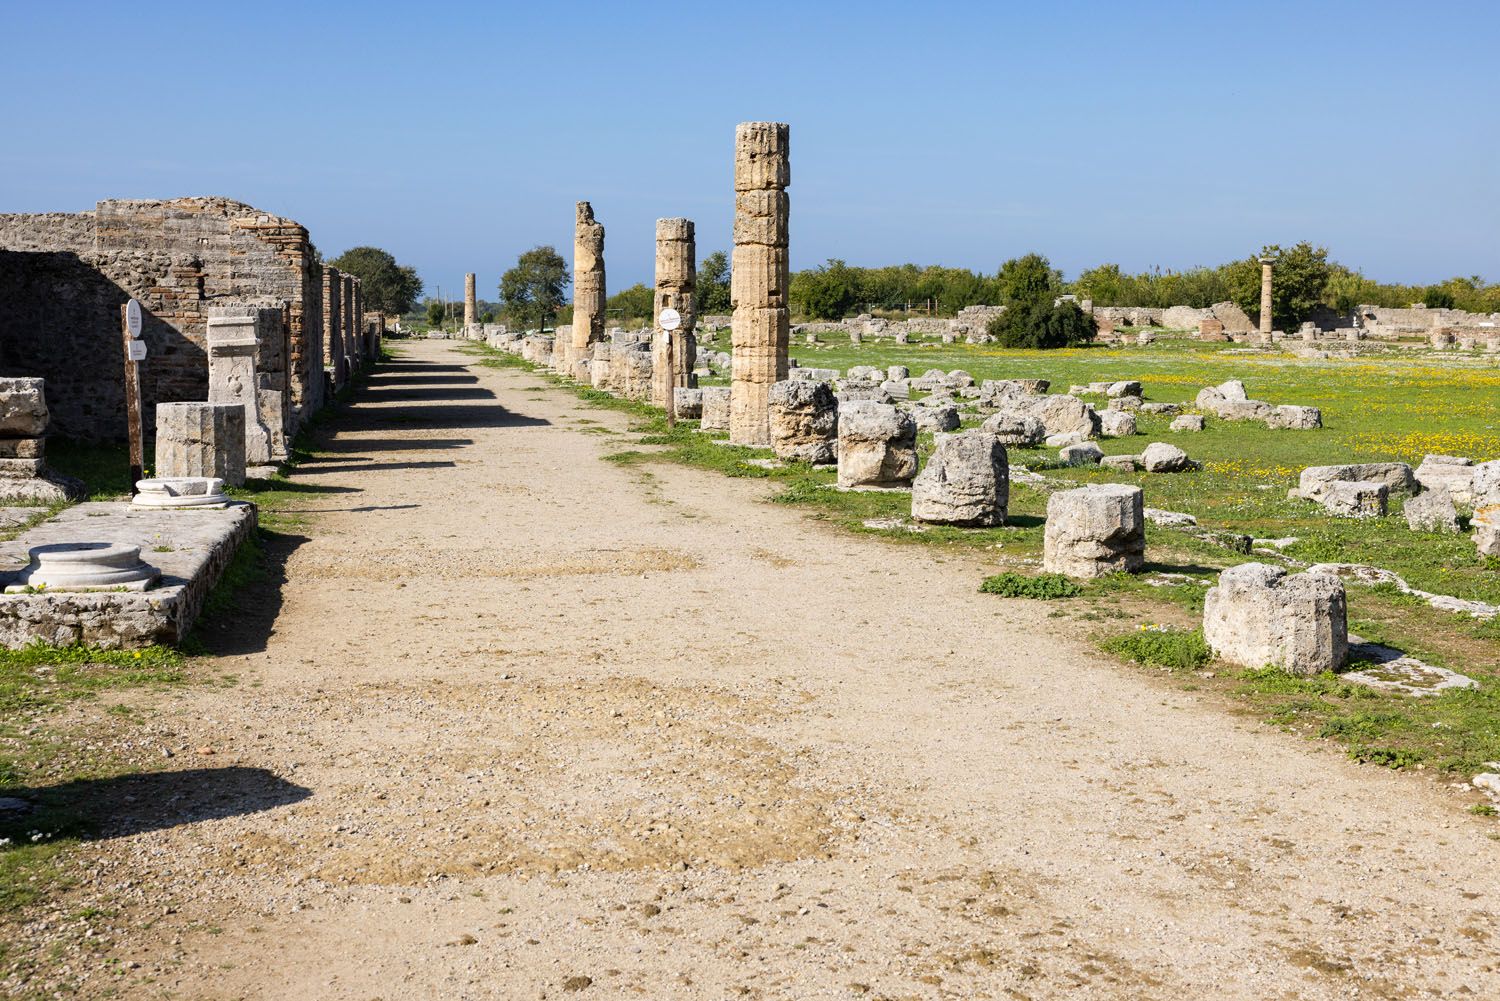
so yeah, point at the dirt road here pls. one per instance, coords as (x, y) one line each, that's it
(533, 724)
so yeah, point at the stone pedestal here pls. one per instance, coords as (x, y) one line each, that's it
(1260, 616)
(24, 475)
(760, 276)
(85, 566)
(804, 421)
(966, 482)
(1095, 530)
(201, 439)
(877, 445)
(237, 335)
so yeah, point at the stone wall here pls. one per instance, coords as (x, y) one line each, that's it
(64, 277)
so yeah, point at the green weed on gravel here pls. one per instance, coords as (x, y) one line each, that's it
(1045, 587)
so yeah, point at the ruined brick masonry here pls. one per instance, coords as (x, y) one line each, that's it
(64, 276)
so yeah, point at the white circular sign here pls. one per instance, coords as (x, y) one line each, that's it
(133, 318)
(670, 319)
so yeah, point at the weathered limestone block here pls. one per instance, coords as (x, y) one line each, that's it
(201, 439)
(1127, 387)
(1059, 414)
(1095, 530)
(588, 292)
(1015, 429)
(689, 403)
(1355, 499)
(1485, 484)
(877, 446)
(1451, 473)
(1486, 526)
(1432, 511)
(237, 337)
(1295, 418)
(1084, 453)
(897, 373)
(1397, 476)
(1121, 463)
(1117, 423)
(1187, 422)
(1159, 457)
(760, 277)
(804, 419)
(932, 419)
(1261, 616)
(23, 407)
(966, 482)
(1161, 409)
(715, 408)
(630, 370)
(601, 371)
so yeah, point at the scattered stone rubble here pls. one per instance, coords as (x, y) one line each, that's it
(1261, 616)
(1229, 401)
(965, 482)
(1095, 530)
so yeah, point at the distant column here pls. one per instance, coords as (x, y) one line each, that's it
(676, 284)
(588, 291)
(761, 274)
(1265, 296)
(333, 326)
(351, 354)
(471, 302)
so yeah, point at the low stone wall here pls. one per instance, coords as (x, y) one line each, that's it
(197, 547)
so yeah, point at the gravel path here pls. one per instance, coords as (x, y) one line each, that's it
(532, 724)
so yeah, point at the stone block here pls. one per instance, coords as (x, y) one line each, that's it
(965, 482)
(1432, 511)
(1261, 616)
(1187, 422)
(1451, 473)
(201, 439)
(715, 403)
(23, 407)
(804, 420)
(1116, 423)
(877, 446)
(688, 403)
(1355, 499)
(1397, 476)
(1159, 457)
(1295, 418)
(931, 420)
(1015, 429)
(1095, 530)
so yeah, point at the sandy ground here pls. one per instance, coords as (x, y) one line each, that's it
(532, 724)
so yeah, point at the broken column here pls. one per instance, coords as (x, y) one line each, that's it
(333, 326)
(1265, 296)
(471, 303)
(1261, 616)
(877, 445)
(1095, 530)
(236, 337)
(760, 276)
(804, 421)
(676, 283)
(201, 439)
(588, 294)
(966, 482)
(24, 475)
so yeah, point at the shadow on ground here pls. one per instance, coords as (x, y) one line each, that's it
(154, 801)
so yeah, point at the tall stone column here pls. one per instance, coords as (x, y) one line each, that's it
(761, 274)
(1265, 297)
(351, 353)
(333, 326)
(471, 302)
(676, 284)
(588, 292)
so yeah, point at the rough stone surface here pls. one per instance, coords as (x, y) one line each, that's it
(1095, 530)
(1121, 463)
(1127, 387)
(1295, 418)
(689, 403)
(1432, 511)
(197, 547)
(201, 439)
(877, 446)
(804, 421)
(1355, 499)
(1397, 476)
(588, 295)
(23, 407)
(1084, 453)
(1015, 429)
(760, 276)
(1160, 457)
(1452, 473)
(1187, 422)
(1117, 423)
(966, 482)
(1259, 616)
(939, 418)
(715, 402)
(676, 284)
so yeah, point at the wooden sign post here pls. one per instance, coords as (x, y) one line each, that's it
(670, 320)
(135, 352)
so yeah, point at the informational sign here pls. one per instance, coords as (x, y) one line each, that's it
(137, 350)
(670, 319)
(133, 319)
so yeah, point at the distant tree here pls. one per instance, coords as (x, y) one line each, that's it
(634, 303)
(825, 293)
(712, 297)
(532, 292)
(487, 317)
(1298, 280)
(437, 311)
(387, 286)
(1036, 323)
(1437, 297)
(1028, 278)
(1104, 285)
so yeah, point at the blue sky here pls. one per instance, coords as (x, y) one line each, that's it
(457, 135)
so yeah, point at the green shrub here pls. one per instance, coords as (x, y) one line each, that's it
(1160, 647)
(1043, 586)
(1036, 323)
(1390, 757)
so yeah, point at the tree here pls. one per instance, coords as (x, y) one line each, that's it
(1036, 323)
(825, 293)
(436, 312)
(1437, 297)
(532, 292)
(1027, 278)
(635, 303)
(713, 285)
(388, 287)
(1298, 280)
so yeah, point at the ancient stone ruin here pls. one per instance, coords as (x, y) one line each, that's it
(760, 277)
(471, 302)
(24, 475)
(1095, 530)
(676, 286)
(804, 421)
(571, 355)
(1261, 616)
(965, 482)
(877, 446)
(201, 439)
